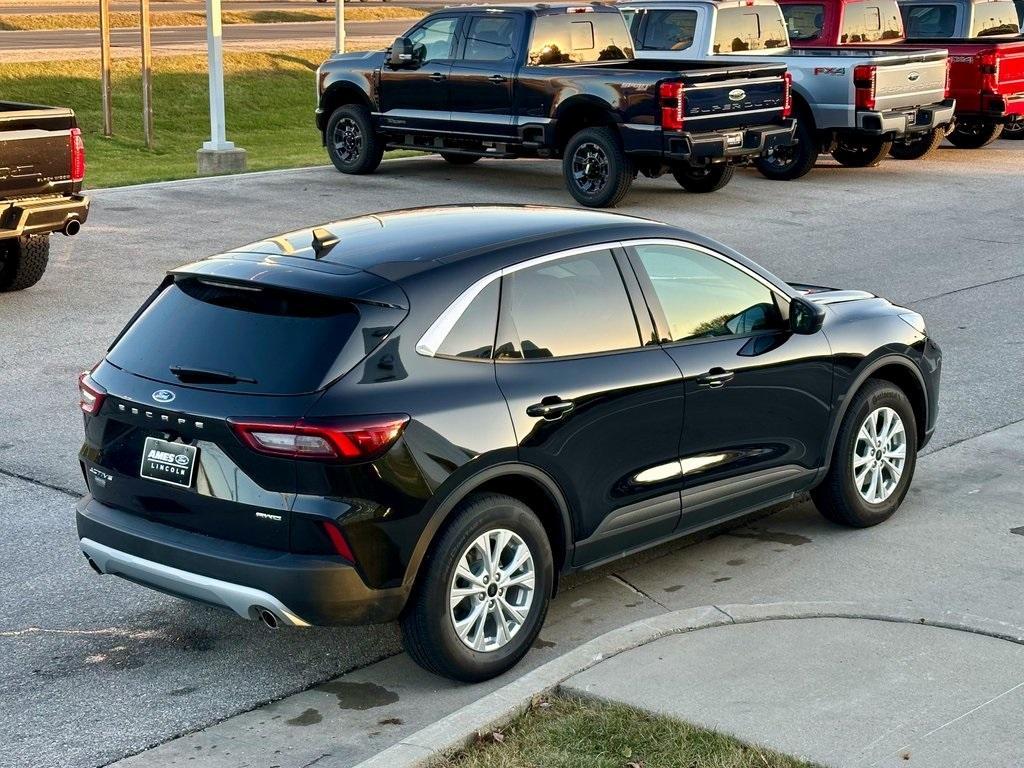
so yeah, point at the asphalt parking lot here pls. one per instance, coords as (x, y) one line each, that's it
(95, 669)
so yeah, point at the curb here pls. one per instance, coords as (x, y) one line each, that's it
(458, 729)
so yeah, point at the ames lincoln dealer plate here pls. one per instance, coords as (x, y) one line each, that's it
(168, 462)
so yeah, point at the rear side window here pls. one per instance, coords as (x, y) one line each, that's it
(665, 30)
(273, 341)
(999, 18)
(805, 22)
(929, 20)
(739, 30)
(491, 38)
(579, 39)
(472, 336)
(871, 23)
(704, 297)
(573, 306)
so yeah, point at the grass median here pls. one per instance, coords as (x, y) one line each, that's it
(270, 100)
(568, 733)
(124, 19)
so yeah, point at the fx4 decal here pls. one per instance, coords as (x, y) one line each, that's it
(830, 71)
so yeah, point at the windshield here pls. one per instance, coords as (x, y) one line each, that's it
(750, 28)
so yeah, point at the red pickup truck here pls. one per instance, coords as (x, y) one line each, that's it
(986, 73)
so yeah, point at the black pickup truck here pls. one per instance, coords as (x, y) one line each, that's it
(556, 81)
(42, 165)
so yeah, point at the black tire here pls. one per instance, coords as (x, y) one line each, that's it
(1013, 131)
(352, 144)
(710, 178)
(793, 162)
(428, 629)
(837, 497)
(918, 146)
(866, 152)
(456, 158)
(23, 261)
(975, 134)
(597, 171)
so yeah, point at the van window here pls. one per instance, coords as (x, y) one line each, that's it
(805, 22)
(750, 28)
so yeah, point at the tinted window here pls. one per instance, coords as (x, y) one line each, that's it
(668, 30)
(738, 30)
(999, 18)
(491, 38)
(433, 40)
(1020, 12)
(473, 334)
(704, 297)
(871, 23)
(572, 306)
(929, 20)
(565, 39)
(805, 22)
(275, 341)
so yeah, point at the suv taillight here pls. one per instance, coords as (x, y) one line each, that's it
(787, 94)
(77, 145)
(989, 67)
(346, 440)
(673, 102)
(864, 77)
(90, 394)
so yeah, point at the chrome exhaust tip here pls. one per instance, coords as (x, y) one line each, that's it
(71, 227)
(268, 618)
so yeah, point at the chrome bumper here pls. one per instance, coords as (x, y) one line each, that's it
(245, 601)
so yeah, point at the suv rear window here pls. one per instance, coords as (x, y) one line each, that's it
(740, 30)
(273, 341)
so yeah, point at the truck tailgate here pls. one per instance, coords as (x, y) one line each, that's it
(35, 151)
(901, 85)
(720, 96)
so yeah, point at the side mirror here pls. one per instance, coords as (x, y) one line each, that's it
(400, 53)
(805, 317)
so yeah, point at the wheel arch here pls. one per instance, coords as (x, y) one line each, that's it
(525, 482)
(340, 94)
(579, 112)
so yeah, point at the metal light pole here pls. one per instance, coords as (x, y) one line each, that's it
(339, 26)
(147, 73)
(218, 155)
(108, 111)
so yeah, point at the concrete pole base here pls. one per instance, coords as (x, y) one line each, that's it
(210, 162)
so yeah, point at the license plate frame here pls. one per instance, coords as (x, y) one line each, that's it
(168, 463)
(734, 140)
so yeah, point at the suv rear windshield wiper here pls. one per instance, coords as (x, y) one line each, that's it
(205, 376)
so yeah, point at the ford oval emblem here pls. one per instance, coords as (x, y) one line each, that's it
(737, 94)
(913, 76)
(163, 396)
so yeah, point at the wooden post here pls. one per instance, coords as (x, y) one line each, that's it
(108, 110)
(339, 26)
(147, 73)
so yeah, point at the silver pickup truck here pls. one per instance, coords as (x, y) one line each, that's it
(851, 103)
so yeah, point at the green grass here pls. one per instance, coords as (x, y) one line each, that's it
(569, 733)
(270, 101)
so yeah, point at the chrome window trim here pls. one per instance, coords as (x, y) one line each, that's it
(438, 331)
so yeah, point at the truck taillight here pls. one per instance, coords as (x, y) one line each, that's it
(347, 440)
(988, 65)
(90, 394)
(673, 102)
(864, 79)
(77, 170)
(787, 94)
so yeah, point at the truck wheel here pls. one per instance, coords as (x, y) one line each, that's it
(23, 261)
(596, 169)
(456, 158)
(975, 134)
(710, 178)
(483, 593)
(862, 153)
(873, 459)
(794, 161)
(1013, 131)
(352, 143)
(918, 146)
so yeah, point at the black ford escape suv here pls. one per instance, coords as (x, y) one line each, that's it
(430, 414)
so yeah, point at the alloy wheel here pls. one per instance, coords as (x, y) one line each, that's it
(348, 140)
(492, 590)
(590, 168)
(879, 455)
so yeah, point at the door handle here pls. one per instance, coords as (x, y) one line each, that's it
(550, 408)
(437, 77)
(715, 378)
(497, 78)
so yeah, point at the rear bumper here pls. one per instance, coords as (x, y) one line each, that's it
(37, 215)
(902, 121)
(1002, 109)
(751, 141)
(299, 590)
